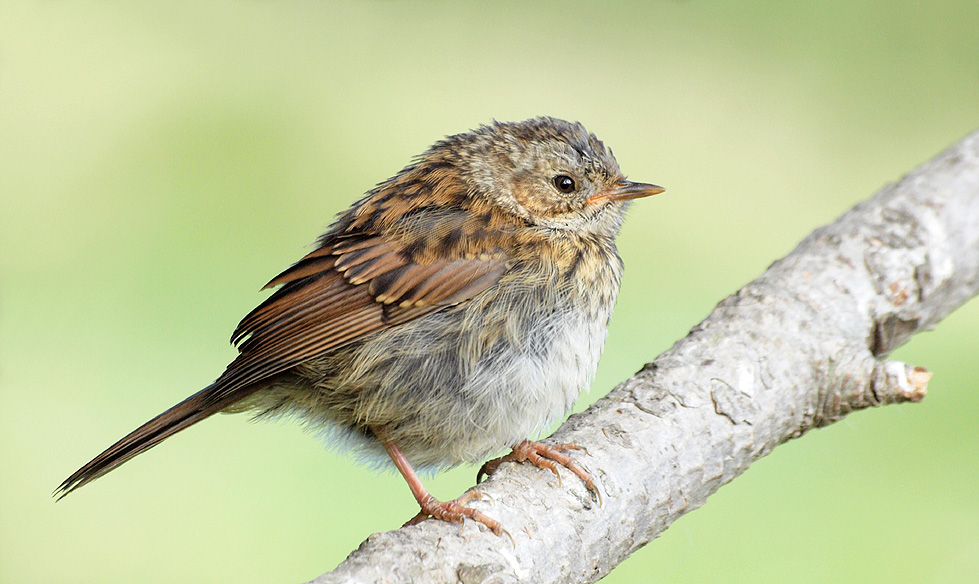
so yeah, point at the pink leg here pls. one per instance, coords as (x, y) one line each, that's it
(454, 511)
(546, 456)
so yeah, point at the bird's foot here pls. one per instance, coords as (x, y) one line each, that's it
(544, 456)
(455, 511)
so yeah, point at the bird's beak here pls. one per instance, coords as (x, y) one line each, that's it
(625, 190)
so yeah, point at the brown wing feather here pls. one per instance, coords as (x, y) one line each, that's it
(318, 311)
(356, 282)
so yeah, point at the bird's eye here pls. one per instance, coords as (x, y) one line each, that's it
(564, 183)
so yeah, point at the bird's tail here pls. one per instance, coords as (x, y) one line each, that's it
(207, 402)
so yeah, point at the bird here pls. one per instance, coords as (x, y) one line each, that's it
(455, 311)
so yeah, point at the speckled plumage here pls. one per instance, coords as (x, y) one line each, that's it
(454, 311)
(461, 383)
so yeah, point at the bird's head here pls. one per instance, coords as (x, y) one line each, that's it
(551, 173)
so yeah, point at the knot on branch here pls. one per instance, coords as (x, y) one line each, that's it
(896, 382)
(885, 382)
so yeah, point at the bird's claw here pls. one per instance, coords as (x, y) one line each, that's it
(544, 456)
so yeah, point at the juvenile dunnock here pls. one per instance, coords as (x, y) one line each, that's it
(457, 309)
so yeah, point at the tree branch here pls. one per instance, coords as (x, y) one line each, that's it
(799, 347)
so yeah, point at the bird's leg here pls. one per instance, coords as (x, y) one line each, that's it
(544, 456)
(454, 511)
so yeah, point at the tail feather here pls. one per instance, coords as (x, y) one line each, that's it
(203, 404)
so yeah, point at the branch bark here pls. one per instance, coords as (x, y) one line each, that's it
(800, 347)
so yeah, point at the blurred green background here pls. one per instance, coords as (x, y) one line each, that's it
(160, 161)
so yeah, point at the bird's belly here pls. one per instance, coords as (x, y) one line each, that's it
(530, 386)
(444, 393)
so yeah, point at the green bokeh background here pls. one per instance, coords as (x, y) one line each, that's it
(159, 161)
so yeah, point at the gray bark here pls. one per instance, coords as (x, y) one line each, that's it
(798, 348)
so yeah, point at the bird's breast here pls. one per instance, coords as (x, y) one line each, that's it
(463, 383)
(536, 349)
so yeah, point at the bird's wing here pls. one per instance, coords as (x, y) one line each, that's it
(342, 291)
(410, 247)
(347, 288)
